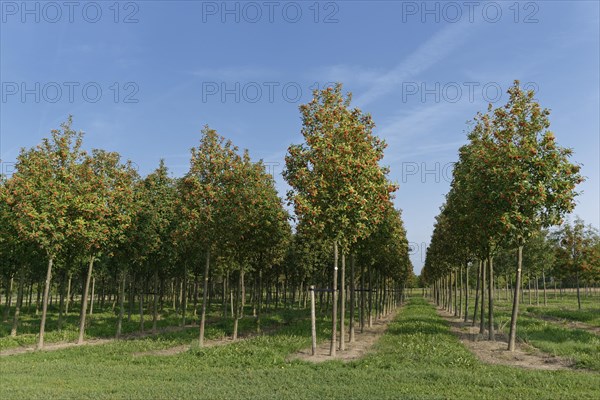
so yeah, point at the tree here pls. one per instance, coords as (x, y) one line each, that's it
(103, 211)
(535, 179)
(204, 200)
(338, 186)
(41, 194)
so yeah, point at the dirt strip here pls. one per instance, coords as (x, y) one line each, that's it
(524, 356)
(355, 350)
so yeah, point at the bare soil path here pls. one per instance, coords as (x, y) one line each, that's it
(524, 356)
(359, 348)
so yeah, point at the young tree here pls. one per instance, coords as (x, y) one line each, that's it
(104, 212)
(204, 200)
(41, 194)
(338, 186)
(534, 179)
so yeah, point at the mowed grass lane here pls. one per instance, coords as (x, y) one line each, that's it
(418, 358)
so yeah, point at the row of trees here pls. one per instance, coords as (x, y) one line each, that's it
(511, 181)
(223, 221)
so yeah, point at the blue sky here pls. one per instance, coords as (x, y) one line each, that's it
(166, 68)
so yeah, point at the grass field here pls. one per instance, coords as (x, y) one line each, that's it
(417, 358)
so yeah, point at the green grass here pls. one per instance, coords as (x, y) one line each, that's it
(102, 324)
(418, 358)
(590, 316)
(561, 306)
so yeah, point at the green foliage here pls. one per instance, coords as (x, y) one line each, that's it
(338, 187)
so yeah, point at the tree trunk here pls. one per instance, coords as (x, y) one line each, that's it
(61, 302)
(67, 300)
(370, 297)
(40, 344)
(515, 309)
(460, 297)
(544, 281)
(537, 295)
(333, 346)
(259, 301)
(362, 299)
(482, 315)
(313, 320)
(141, 309)
(18, 305)
(238, 304)
(477, 293)
(352, 299)
(92, 296)
(492, 336)
(529, 286)
(9, 290)
(204, 298)
(155, 304)
(466, 291)
(343, 304)
(121, 304)
(184, 296)
(578, 294)
(84, 300)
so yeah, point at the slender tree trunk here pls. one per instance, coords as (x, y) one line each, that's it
(121, 303)
(30, 297)
(362, 299)
(204, 298)
(313, 320)
(195, 297)
(352, 299)
(7, 304)
(92, 296)
(68, 299)
(40, 344)
(332, 349)
(477, 293)
(483, 283)
(370, 298)
(259, 301)
(544, 281)
(515, 309)
(155, 305)
(61, 302)
(84, 300)
(130, 304)
(184, 296)
(578, 293)
(343, 304)
(529, 286)
(37, 302)
(460, 292)
(141, 297)
(18, 305)
(466, 291)
(537, 295)
(238, 305)
(492, 336)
